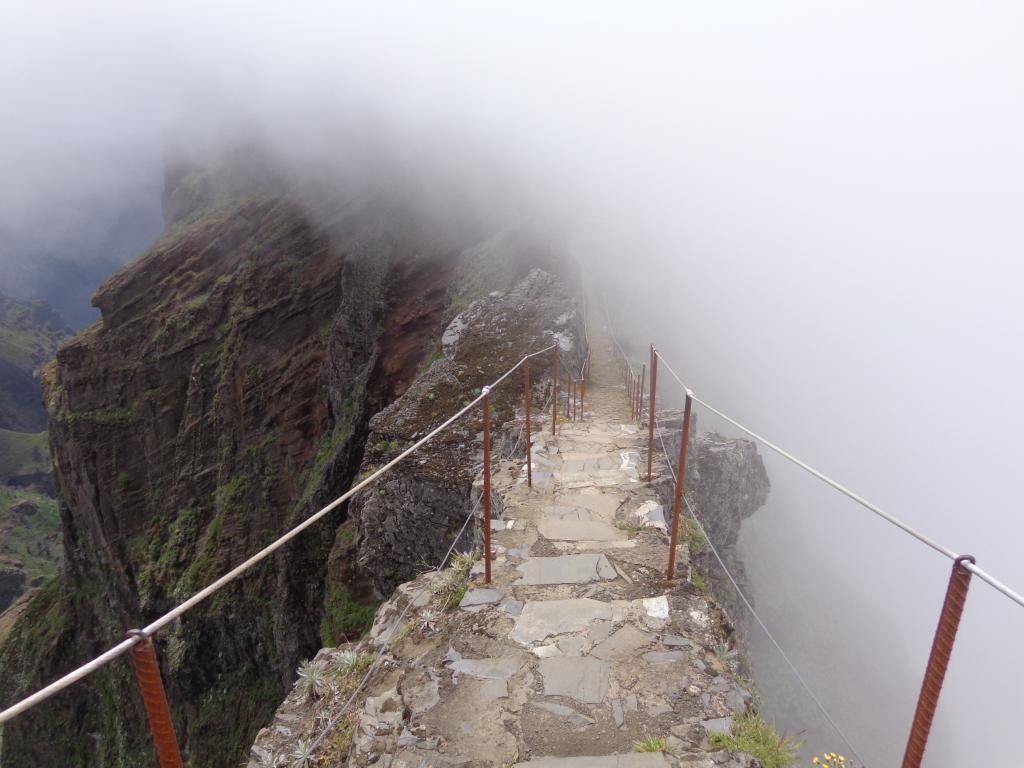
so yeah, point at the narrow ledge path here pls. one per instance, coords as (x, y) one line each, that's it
(577, 651)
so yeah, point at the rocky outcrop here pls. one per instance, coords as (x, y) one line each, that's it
(410, 515)
(226, 394)
(726, 482)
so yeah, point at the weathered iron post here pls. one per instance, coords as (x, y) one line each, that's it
(554, 389)
(650, 427)
(938, 661)
(487, 485)
(154, 699)
(640, 395)
(529, 444)
(684, 440)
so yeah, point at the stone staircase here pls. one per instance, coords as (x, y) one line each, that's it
(578, 652)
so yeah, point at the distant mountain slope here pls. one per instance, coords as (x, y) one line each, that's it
(30, 332)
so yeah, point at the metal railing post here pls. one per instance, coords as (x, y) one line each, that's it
(938, 661)
(487, 485)
(154, 699)
(684, 440)
(529, 446)
(640, 395)
(554, 389)
(650, 428)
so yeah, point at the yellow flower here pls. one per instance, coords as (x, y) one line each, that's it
(816, 761)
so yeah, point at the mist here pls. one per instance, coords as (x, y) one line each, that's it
(812, 209)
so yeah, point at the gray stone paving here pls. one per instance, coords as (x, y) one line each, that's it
(567, 569)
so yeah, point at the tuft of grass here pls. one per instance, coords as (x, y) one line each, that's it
(352, 663)
(726, 655)
(652, 744)
(693, 535)
(751, 734)
(631, 529)
(698, 582)
(404, 631)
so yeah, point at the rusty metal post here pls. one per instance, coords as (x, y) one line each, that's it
(938, 661)
(575, 390)
(529, 445)
(640, 395)
(650, 427)
(554, 389)
(684, 440)
(583, 394)
(154, 699)
(568, 392)
(487, 485)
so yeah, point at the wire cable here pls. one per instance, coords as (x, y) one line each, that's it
(125, 645)
(750, 607)
(398, 621)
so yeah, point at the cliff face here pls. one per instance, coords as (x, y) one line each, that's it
(225, 395)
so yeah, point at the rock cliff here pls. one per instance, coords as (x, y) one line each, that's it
(228, 391)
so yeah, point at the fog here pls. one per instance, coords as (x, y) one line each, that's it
(812, 209)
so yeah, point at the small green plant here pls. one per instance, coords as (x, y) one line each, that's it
(463, 562)
(429, 619)
(726, 655)
(652, 744)
(631, 529)
(345, 662)
(302, 754)
(694, 536)
(752, 735)
(313, 682)
(698, 582)
(270, 760)
(450, 588)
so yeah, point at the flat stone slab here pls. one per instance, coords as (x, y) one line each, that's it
(664, 657)
(629, 760)
(544, 618)
(573, 513)
(567, 569)
(574, 717)
(477, 598)
(488, 669)
(582, 678)
(567, 529)
(623, 644)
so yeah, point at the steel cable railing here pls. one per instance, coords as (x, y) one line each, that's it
(750, 607)
(963, 565)
(336, 718)
(124, 646)
(905, 527)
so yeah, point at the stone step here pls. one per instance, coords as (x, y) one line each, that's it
(567, 529)
(567, 569)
